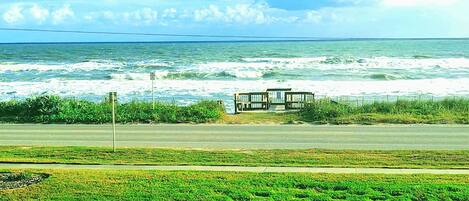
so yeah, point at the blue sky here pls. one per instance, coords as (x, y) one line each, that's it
(317, 18)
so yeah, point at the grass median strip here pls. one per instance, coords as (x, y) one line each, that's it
(187, 185)
(274, 158)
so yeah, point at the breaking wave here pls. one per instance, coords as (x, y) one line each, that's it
(351, 62)
(377, 68)
(81, 66)
(203, 88)
(152, 64)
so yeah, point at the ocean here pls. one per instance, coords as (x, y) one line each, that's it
(190, 71)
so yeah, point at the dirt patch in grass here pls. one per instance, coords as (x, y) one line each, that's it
(19, 180)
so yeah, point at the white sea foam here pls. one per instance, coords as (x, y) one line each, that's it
(212, 88)
(257, 67)
(245, 74)
(237, 69)
(252, 68)
(287, 60)
(83, 66)
(234, 65)
(152, 63)
(345, 63)
(130, 76)
(400, 63)
(138, 76)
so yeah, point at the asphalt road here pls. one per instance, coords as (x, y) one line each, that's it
(386, 137)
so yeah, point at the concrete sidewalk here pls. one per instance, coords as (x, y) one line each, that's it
(238, 169)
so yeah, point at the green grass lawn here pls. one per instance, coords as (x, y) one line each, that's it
(186, 185)
(301, 158)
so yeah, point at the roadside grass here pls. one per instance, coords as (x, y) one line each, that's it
(261, 118)
(187, 185)
(448, 111)
(325, 111)
(296, 158)
(374, 118)
(53, 109)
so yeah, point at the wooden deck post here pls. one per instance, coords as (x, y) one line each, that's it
(285, 99)
(235, 104)
(249, 101)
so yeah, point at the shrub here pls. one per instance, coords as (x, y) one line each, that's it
(43, 105)
(53, 109)
(324, 110)
(17, 177)
(11, 108)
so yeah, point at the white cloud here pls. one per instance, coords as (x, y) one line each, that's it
(313, 16)
(109, 15)
(333, 15)
(145, 16)
(210, 14)
(412, 3)
(13, 15)
(148, 15)
(38, 13)
(386, 17)
(62, 14)
(88, 18)
(169, 13)
(245, 14)
(239, 14)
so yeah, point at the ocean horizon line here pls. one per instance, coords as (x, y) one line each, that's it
(230, 41)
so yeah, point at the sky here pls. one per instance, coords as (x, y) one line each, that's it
(305, 18)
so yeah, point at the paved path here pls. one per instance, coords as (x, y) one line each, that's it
(238, 169)
(437, 137)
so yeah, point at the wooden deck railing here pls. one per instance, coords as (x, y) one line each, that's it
(251, 101)
(262, 101)
(297, 100)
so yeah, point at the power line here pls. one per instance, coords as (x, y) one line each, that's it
(159, 34)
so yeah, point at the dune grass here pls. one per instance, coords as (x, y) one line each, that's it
(448, 111)
(53, 109)
(297, 158)
(325, 111)
(187, 185)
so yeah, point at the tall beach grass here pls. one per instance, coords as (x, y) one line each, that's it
(53, 109)
(402, 111)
